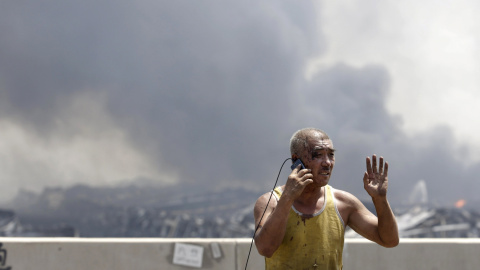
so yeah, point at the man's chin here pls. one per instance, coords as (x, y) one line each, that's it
(323, 181)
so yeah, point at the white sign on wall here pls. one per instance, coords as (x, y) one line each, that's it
(188, 255)
(216, 252)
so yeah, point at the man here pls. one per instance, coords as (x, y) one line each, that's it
(304, 224)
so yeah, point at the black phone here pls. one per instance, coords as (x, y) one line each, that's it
(296, 163)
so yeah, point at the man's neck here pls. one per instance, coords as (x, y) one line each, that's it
(310, 197)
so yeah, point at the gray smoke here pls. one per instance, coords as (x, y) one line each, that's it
(208, 91)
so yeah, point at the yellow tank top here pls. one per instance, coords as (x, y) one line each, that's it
(314, 242)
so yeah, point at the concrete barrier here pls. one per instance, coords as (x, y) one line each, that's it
(221, 254)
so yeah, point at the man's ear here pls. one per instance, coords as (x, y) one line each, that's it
(295, 157)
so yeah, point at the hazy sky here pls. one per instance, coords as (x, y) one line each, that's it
(209, 92)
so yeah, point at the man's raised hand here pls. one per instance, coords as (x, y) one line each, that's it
(375, 181)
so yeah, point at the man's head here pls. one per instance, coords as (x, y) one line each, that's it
(315, 149)
(298, 142)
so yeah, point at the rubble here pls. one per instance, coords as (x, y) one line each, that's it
(430, 222)
(159, 212)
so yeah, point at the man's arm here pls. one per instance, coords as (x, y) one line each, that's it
(382, 230)
(272, 227)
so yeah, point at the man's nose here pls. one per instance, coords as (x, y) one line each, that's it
(326, 161)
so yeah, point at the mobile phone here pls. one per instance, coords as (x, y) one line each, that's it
(296, 163)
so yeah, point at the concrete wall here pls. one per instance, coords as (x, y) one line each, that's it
(146, 254)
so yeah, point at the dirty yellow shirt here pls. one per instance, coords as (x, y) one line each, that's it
(311, 241)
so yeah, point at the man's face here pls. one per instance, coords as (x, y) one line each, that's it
(319, 156)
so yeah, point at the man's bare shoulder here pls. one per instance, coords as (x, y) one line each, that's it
(267, 197)
(347, 204)
(345, 198)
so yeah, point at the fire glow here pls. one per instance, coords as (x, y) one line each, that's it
(460, 203)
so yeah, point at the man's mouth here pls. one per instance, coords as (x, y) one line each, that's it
(325, 173)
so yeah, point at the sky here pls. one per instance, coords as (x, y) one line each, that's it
(208, 93)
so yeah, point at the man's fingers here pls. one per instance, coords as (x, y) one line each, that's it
(306, 176)
(303, 172)
(369, 166)
(374, 165)
(386, 169)
(307, 182)
(299, 170)
(380, 166)
(365, 179)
